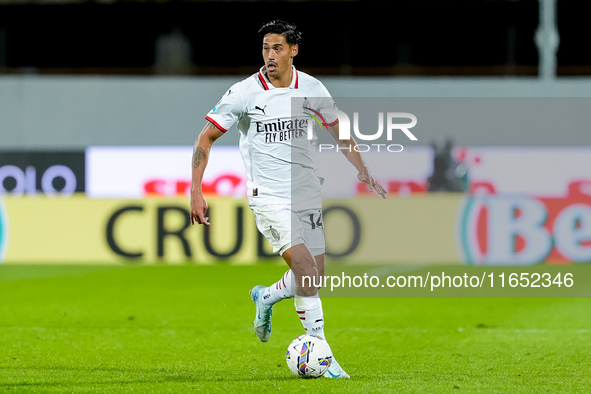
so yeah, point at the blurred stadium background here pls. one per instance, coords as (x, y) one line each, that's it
(101, 101)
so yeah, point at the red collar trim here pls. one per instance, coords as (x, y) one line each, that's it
(265, 82)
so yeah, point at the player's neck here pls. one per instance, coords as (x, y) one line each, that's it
(282, 81)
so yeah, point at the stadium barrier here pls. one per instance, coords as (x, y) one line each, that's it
(526, 205)
(80, 230)
(433, 228)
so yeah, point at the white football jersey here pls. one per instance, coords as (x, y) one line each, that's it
(277, 154)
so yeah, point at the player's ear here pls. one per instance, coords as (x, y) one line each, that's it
(294, 50)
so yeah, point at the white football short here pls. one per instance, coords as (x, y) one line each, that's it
(284, 227)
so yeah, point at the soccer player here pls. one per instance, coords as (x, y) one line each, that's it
(283, 189)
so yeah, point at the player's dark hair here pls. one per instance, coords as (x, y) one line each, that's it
(285, 29)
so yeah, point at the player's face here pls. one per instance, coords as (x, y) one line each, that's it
(278, 55)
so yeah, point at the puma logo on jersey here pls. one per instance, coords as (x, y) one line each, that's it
(261, 109)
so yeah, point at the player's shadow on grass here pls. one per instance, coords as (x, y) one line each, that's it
(155, 376)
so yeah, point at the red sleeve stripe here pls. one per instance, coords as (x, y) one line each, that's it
(262, 79)
(216, 124)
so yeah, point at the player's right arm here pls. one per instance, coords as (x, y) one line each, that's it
(354, 157)
(201, 150)
(221, 117)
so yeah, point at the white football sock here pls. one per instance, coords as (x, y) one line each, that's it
(309, 310)
(280, 290)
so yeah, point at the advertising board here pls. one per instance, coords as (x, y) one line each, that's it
(50, 173)
(81, 230)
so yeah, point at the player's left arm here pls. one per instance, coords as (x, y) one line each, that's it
(355, 158)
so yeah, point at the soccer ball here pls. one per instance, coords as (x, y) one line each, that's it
(308, 356)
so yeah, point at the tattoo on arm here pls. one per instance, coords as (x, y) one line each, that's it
(198, 156)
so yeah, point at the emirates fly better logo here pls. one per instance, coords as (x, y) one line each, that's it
(345, 129)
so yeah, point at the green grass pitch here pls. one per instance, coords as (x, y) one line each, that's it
(189, 328)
